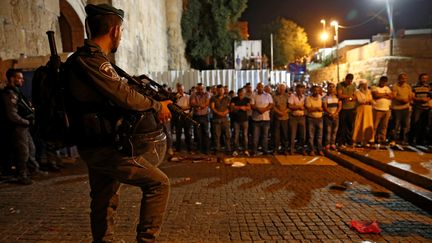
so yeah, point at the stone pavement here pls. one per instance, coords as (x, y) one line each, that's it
(213, 202)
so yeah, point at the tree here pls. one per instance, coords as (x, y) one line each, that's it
(207, 30)
(290, 41)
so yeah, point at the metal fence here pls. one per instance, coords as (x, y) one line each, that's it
(233, 78)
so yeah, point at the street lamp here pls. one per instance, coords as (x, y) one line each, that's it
(336, 38)
(324, 35)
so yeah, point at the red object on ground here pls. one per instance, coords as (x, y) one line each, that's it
(365, 227)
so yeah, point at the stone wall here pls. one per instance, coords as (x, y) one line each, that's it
(374, 49)
(410, 55)
(372, 69)
(409, 47)
(151, 39)
(144, 43)
(23, 24)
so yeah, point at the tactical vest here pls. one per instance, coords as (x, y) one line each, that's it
(99, 122)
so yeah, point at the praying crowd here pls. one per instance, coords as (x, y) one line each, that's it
(307, 120)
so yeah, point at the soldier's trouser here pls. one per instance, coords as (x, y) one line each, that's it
(107, 169)
(23, 145)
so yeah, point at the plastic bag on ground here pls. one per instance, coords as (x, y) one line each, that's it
(365, 227)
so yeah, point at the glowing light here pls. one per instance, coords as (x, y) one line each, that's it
(324, 36)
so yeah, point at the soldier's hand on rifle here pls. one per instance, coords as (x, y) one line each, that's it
(164, 114)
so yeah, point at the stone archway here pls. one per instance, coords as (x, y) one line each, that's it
(71, 27)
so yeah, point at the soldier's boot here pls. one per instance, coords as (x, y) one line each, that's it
(22, 174)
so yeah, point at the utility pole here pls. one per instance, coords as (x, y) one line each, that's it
(271, 52)
(336, 37)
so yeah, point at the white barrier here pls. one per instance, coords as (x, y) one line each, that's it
(235, 79)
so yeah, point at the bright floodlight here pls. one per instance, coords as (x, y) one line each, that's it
(323, 21)
(324, 36)
(334, 23)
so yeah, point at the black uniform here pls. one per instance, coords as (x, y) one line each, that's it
(18, 115)
(99, 101)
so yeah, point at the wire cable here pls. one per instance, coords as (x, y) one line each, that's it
(364, 22)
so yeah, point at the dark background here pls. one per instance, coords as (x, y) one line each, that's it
(408, 14)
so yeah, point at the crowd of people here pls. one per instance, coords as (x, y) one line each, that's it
(305, 120)
(264, 120)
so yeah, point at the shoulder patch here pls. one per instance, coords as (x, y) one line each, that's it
(107, 69)
(13, 98)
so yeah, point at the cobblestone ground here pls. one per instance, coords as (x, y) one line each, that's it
(212, 202)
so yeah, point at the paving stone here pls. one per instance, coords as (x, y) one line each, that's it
(255, 203)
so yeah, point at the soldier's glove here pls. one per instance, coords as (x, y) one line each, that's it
(164, 114)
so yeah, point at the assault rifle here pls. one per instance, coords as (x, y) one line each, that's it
(152, 89)
(52, 123)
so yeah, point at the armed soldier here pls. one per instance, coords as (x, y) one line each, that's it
(98, 100)
(19, 116)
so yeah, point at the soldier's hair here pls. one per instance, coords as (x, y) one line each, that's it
(11, 72)
(100, 25)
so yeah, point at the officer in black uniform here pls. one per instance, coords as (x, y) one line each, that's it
(105, 114)
(18, 116)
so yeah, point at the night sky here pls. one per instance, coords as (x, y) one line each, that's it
(308, 13)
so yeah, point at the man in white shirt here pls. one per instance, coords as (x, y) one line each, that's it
(297, 120)
(315, 122)
(181, 124)
(261, 103)
(382, 96)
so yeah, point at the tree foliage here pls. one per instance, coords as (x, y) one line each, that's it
(290, 41)
(207, 29)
